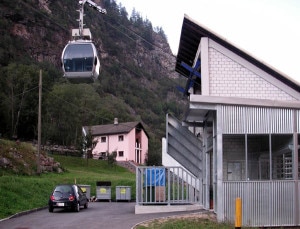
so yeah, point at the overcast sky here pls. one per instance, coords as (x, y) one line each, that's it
(267, 29)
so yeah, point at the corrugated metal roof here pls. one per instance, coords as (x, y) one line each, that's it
(110, 129)
(192, 32)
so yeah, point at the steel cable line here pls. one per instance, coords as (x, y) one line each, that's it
(40, 13)
(126, 28)
(133, 32)
(65, 29)
(128, 68)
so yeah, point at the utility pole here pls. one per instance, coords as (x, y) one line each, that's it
(39, 124)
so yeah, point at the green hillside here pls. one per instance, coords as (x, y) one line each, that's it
(32, 191)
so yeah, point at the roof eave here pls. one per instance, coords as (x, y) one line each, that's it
(191, 34)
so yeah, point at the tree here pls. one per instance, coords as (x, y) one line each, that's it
(161, 32)
(88, 144)
(153, 156)
(69, 107)
(111, 158)
(19, 101)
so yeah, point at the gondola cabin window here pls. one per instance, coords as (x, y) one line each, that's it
(78, 58)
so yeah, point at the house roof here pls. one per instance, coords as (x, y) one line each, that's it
(192, 32)
(110, 129)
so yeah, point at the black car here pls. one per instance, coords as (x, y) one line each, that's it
(68, 196)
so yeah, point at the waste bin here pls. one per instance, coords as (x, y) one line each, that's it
(123, 193)
(103, 190)
(86, 189)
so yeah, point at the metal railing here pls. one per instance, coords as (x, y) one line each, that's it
(166, 185)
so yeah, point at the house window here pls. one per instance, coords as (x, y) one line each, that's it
(103, 139)
(121, 153)
(121, 138)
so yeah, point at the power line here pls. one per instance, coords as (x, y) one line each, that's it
(85, 109)
(25, 92)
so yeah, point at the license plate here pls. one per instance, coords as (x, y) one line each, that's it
(60, 204)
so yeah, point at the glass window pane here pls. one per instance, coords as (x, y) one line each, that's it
(258, 157)
(79, 51)
(78, 58)
(282, 158)
(234, 157)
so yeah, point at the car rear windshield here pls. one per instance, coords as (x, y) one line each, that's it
(64, 189)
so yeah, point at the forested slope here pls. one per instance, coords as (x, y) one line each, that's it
(137, 80)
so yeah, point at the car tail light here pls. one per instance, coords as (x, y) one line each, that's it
(71, 198)
(52, 197)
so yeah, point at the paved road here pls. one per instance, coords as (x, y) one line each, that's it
(107, 215)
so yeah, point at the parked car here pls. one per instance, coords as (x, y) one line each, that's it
(68, 196)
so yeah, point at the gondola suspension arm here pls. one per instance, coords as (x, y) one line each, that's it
(85, 33)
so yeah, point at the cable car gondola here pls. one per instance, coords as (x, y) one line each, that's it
(80, 61)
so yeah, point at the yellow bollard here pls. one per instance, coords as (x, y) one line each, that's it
(238, 212)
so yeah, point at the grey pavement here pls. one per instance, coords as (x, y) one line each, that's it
(115, 215)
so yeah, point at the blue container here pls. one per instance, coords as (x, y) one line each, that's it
(155, 177)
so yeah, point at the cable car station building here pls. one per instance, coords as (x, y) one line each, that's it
(246, 116)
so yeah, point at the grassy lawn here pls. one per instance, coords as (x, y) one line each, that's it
(20, 193)
(189, 223)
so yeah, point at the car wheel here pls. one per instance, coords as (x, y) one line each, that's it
(50, 209)
(86, 205)
(77, 207)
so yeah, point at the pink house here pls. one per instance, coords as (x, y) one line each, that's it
(128, 139)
